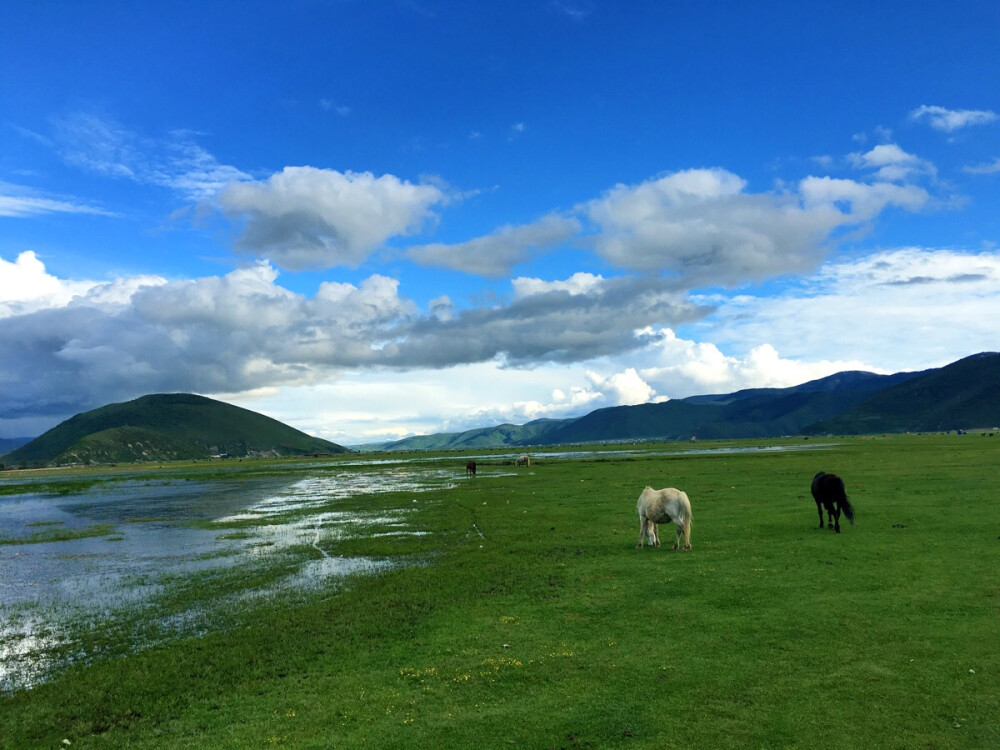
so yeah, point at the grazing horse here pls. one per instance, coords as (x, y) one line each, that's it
(470, 468)
(661, 506)
(523, 460)
(828, 492)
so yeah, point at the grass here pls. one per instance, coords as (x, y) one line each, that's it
(536, 623)
(53, 534)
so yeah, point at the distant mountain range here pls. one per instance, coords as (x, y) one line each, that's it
(962, 395)
(165, 427)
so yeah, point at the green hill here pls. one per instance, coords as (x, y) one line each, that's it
(166, 427)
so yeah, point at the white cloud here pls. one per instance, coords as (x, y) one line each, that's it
(18, 201)
(895, 310)
(623, 388)
(950, 120)
(892, 164)
(855, 202)
(303, 217)
(578, 283)
(992, 167)
(701, 226)
(102, 145)
(680, 368)
(26, 287)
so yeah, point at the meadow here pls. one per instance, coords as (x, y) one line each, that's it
(524, 616)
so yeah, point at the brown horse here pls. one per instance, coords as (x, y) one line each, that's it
(470, 468)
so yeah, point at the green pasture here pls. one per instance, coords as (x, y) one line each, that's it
(527, 618)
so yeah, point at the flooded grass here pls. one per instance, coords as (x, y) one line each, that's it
(60, 534)
(210, 548)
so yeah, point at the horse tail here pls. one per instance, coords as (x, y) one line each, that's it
(848, 508)
(840, 496)
(688, 520)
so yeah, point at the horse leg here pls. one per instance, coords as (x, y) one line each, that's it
(654, 533)
(642, 532)
(836, 519)
(819, 509)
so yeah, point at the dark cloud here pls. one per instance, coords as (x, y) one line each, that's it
(242, 331)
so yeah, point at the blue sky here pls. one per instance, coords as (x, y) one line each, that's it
(376, 219)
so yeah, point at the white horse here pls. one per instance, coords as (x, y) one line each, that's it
(523, 460)
(661, 506)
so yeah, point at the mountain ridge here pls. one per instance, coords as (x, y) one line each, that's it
(844, 403)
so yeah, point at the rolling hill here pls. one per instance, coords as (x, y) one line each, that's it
(164, 427)
(961, 395)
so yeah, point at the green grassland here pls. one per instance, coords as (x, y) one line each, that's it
(532, 620)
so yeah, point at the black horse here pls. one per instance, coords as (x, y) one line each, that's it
(470, 468)
(828, 491)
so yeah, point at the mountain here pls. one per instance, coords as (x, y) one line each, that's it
(485, 437)
(963, 394)
(164, 427)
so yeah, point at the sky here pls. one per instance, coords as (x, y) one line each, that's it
(380, 218)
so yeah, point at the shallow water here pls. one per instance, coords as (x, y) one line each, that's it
(47, 587)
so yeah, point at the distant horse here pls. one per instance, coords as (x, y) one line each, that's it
(828, 492)
(662, 506)
(523, 460)
(470, 468)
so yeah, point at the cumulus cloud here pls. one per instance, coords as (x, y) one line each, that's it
(495, 254)
(578, 283)
(851, 202)
(303, 217)
(680, 368)
(893, 164)
(701, 226)
(25, 287)
(950, 120)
